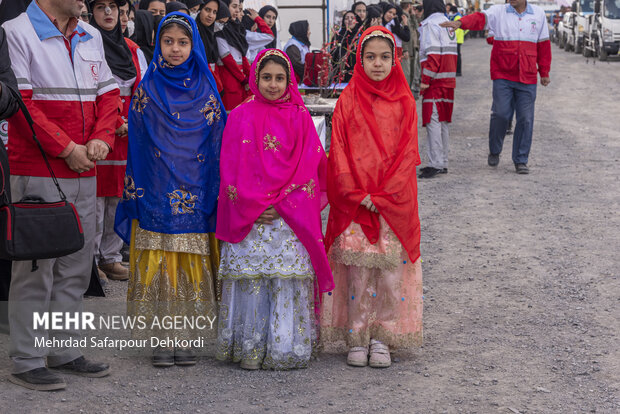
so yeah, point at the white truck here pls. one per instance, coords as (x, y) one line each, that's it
(583, 9)
(602, 34)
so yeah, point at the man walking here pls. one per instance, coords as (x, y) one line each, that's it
(521, 50)
(68, 89)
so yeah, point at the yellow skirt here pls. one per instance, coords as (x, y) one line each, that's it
(166, 286)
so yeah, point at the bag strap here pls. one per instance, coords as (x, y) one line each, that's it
(22, 106)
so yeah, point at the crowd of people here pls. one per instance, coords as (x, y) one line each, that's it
(178, 128)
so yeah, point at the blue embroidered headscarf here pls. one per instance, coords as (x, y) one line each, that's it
(176, 122)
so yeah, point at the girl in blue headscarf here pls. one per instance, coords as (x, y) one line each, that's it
(169, 200)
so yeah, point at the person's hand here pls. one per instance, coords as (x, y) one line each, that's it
(268, 216)
(253, 13)
(78, 160)
(423, 87)
(545, 81)
(367, 202)
(405, 55)
(453, 24)
(404, 20)
(122, 130)
(376, 21)
(97, 150)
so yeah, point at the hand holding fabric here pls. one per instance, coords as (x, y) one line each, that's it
(367, 202)
(268, 216)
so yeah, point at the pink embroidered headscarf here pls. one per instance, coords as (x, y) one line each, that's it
(271, 156)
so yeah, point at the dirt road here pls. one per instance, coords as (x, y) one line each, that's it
(522, 284)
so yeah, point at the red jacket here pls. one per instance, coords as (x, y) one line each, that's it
(68, 89)
(521, 45)
(111, 171)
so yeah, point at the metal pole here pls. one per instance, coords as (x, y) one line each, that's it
(326, 26)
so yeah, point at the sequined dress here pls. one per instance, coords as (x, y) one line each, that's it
(378, 292)
(267, 308)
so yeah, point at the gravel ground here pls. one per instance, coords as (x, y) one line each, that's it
(521, 284)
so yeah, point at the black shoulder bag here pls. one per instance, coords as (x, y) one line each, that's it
(32, 228)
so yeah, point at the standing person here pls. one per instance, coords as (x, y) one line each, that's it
(519, 27)
(359, 8)
(298, 46)
(11, 9)
(128, 66)
(373, 231)
(270, 15)
(438, 59)
(8, 106)
(144, 33)
(233, 65)
(194, 7)
(396, 22)
(257, 33)
(412, 47)
(169, 201)
(73, 100)
(155, 7)
(454, 15)
(205, 22)
(274, 265)
(374, 16)
(343, 49)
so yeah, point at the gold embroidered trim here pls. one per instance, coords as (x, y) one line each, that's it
(273, 52)
(340, 338)
(130, 192)
(139, 100)
(163, 64)
(309, 188)
(363, 259)
(196, 243)
(231, 192)
(274, 275)
(271, 143)
(212, 111)
(182, 202)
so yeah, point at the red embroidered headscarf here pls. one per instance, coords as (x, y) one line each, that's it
(272, 156)
(374, 150)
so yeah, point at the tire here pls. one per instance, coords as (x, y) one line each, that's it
(602, 54)
(578, 47)
(561, 42)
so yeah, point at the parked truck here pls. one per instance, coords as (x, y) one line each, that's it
(602, 31)
(583, 9)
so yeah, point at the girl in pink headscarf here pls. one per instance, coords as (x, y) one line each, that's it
(273, 265)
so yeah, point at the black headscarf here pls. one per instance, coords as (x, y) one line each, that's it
(144, 4)
(262, 12)
(208, 35)
(10, 9)
(143, 33)
(223, 11)
(246, 21)
(385, 6)
(192, 3)
(233, 32)
(176, 6)
(433, 6)
(117, 53)
(299, 30)
(357, 3)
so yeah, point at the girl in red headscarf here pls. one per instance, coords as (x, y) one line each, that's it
(373, 232)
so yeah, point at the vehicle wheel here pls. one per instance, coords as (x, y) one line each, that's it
(577, 48)
(561, 42)
(586, 52)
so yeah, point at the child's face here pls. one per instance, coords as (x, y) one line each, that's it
(377, 59)
(272, 81)
(175, 45)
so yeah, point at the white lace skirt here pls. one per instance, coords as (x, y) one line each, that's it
(267, 307)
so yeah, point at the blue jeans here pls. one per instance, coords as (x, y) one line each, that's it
(508, 97)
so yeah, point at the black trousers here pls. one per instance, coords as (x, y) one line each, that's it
(458, 59)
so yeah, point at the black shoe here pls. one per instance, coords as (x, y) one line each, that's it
(493, 160)
(184, 356)
(428, 172)
(459, 74)
(85, 368)
(39, 379)
(163, 357)
(522, 168)
(125, 253)
(443, 171)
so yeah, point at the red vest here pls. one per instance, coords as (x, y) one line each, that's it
(111, 171)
